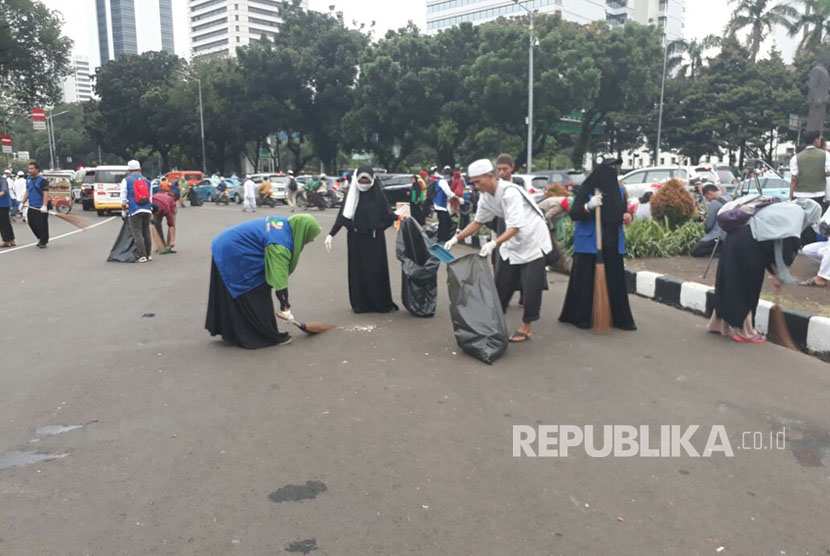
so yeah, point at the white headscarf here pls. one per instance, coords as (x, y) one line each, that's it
(353, 195)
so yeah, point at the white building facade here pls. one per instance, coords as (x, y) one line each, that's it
(77, 86)
(665, 14)
(218, 27)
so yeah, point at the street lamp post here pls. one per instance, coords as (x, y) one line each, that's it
(201, 117)
(50, 135)
(662, 96)
(529, 91)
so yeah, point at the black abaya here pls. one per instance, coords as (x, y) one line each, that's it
(741, 269)
(369, 288)
(579, 300)
(247, 321)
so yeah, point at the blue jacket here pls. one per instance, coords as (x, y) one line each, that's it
(35, 187)
(585, 234)
(134, 207)
(239, 252)
(5, 200)
(441, 198)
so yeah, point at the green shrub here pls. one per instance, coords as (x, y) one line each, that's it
(647, 238)
(674, 203)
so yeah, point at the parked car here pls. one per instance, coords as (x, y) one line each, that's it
(535, 185)
(770, 185)
(650, 179)
(205, 190)
(107, 188)
(397, 187)
(86, 179)
(568, 178)
(726, 175)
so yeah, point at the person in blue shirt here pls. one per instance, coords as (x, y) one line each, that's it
(137, 203)
(6, 230)
(249, 260)
(37, 195)
(600, 189)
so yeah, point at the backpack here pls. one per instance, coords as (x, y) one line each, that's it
(141, 191)
(292, 185)
(737, 213)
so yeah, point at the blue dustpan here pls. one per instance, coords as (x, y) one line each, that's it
(441, 254)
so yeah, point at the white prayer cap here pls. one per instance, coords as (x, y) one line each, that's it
(133, 165)
(480, 167)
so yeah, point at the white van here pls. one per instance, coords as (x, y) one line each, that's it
(107, 188)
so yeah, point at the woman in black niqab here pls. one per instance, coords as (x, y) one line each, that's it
(579, 299)
(366, 215)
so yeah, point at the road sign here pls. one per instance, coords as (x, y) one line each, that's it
(39, 118)
(795, 122)
(7, 144)
(22, 155)
(264, 154)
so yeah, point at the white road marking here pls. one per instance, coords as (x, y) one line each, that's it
(5, 251)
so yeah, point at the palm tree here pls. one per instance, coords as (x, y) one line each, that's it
(815, 22)
(761, 17)
(687, 56)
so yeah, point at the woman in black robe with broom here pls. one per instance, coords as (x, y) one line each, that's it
(579, 299)
(366, 215)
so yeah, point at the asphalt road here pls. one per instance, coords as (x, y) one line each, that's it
(401, 444)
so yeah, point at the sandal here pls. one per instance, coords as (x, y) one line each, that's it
(811, 283)
(519, 334)
(742, 340)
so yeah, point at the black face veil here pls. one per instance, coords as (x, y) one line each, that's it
(604, 177)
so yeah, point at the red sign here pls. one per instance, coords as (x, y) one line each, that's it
(6, 141)
(39, 118)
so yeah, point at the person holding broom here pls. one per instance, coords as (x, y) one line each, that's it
(37, 195)
(164, 206)
(600, 191)
(523, 245)
(249, 260)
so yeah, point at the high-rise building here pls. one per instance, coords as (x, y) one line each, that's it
(118, 25)
(166, 19)
(218, 27)
(665, 14)
(77, 86)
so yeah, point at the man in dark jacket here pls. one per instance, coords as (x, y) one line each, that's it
(714, 235)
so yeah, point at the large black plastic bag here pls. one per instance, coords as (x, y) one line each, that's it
(477, 318)
(419, 270)
(124, 249)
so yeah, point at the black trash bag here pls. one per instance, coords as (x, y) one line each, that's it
(124, 249)
(419, 270)
(194, 199)
(477, 318)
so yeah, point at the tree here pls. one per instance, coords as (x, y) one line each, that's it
(814, 22)
(686, 56)
(142, 105)
(34, 55)
(761, 17)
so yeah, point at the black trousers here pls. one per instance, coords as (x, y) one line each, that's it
(444, 226)
(39, 224)
(704, 248)
(6, 230)
(140, 226)
(529, 278)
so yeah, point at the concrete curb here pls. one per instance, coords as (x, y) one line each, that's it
(810, 332)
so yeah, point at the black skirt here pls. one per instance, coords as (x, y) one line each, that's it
(247, 321)
(369, 288)
(579, 301)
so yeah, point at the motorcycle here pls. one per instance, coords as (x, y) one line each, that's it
(307, 199)
(222, 198)
(267, 201)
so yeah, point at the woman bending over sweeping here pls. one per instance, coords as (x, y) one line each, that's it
(249, 260)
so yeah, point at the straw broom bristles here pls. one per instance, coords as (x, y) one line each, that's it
(601, 310)
(778, 331)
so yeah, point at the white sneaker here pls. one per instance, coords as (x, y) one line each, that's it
(142, 260)
(150, 258)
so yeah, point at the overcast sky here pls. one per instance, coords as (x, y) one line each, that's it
(703, 17)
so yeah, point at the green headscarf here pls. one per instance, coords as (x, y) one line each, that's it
(304, 228)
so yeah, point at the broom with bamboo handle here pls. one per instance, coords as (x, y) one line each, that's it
(778, 331)
(601, 310)
(77, 221)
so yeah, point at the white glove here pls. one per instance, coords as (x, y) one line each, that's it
(460, 200)
(596, 201)
(44, 209)
(402, 211)
(286, 315)
(451, 243)
(488, 249)
(328, 243)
